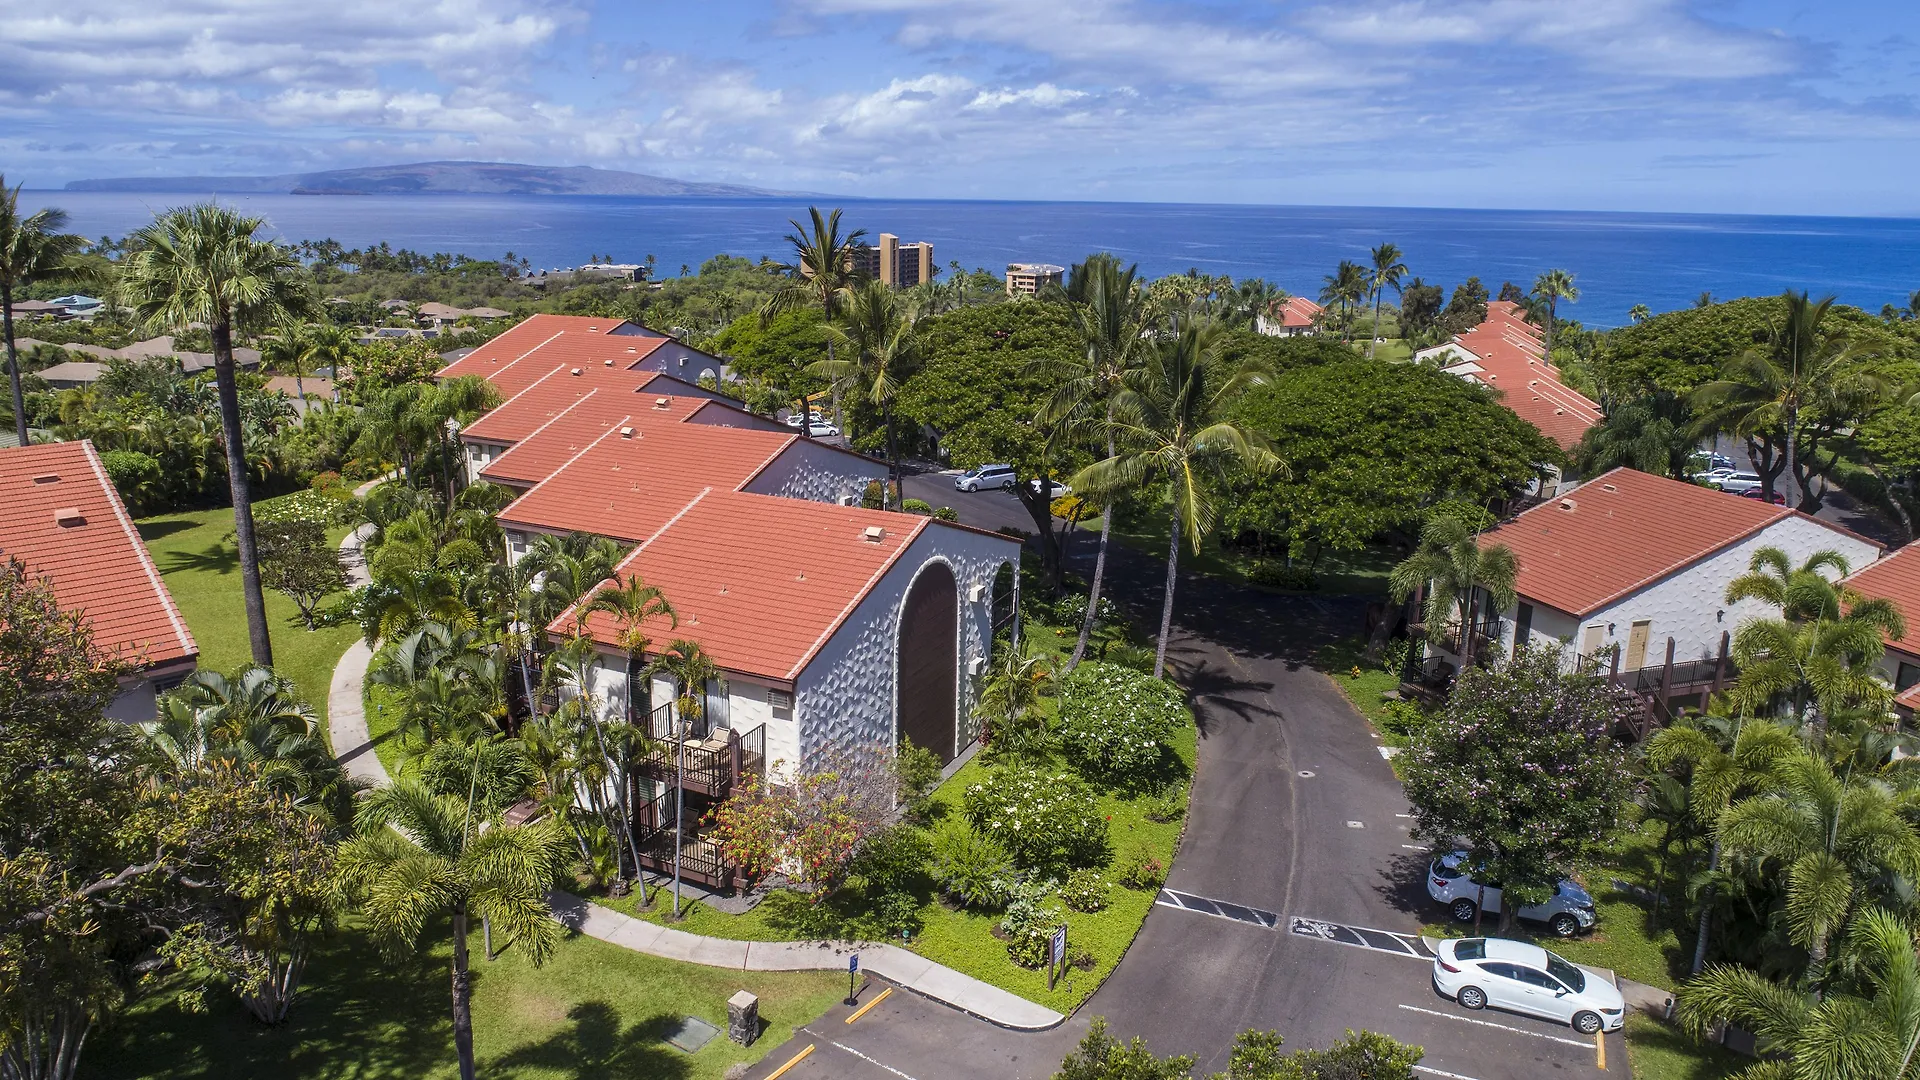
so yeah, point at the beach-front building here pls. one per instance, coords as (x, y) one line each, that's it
(833, 627)
(64, 521)
(1631, 570)
(1027, 279)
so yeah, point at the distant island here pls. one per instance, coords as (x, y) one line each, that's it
(431, 178)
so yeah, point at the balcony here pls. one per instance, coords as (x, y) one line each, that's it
(700, 859)
(709, 762)
(1485, 638)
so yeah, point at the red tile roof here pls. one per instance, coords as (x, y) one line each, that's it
(555, 339)
(545, 449)
(1507, 355)
(1298, 311)
(761, 581)
(1896, 578)
(556, 389)
(65, 521)
(626, 488)
(1622, 531)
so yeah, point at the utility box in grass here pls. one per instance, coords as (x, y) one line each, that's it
(743, 1018)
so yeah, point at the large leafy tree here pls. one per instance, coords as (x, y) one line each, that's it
(1551, 288)
(1386, 272)
(1173, 423)
(825, 264)
(1521, 769)
(882, 334)
(30, 247)
(1110, 321)
(202, 264)
(1871, 1033)
(420, 856)
(1454, 568)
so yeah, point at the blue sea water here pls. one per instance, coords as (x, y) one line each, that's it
(1619, 259)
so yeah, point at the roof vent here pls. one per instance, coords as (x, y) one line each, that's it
(575, 371)
(49, 478)
(626, 433)
(801, 576)
(1608, 487)
(632, 349)
(69, 516)
(662, 403)
(874, 534)
(609, 363)
(1566, 504)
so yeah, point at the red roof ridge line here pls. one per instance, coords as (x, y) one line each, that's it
(635, 553)
(140, 549)
(920, 525)
(563, 468)
(575, 403)
(517, 396)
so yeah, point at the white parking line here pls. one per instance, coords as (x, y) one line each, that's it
(856, 1053)
(1502, 1027)
(1416, 847)
(1445, 1075)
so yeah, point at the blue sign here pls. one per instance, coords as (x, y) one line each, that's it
(1060, 945)
(853, 964)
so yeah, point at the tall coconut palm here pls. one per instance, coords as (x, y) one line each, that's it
(824, 263)
(1110, 321)
(1386, 273)
(881, 334)
(1723, 759)
(633, 604)
(1553, 287)
(1639, 313)
(1347, 285)
(687, 665)
(1806, 367)
(29, 247)
(1874, 1033)
(202, 264)
(1455, 568)
(419, 856)
(1172, 422)
(1833, 839)
(304, 347)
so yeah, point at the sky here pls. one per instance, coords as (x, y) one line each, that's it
(1730, 106)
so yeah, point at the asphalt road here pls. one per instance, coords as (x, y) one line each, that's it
(1296, 826)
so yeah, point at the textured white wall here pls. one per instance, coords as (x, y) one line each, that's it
(808, 470)
(846, 695)
(1690, 605)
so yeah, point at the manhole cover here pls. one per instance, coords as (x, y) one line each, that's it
(692, 1034)
(1307, 773)
(1356, 824)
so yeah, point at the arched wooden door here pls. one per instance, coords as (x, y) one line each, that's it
(927, 698)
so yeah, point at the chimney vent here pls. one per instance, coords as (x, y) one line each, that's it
(1566, 504)
(874, 534)
(575, 371)
(662, 403)
(49, 478)
(609, 363)
(626, 433)
(69, 516)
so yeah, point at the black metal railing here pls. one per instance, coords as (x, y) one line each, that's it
(753, 752)
(700, 859)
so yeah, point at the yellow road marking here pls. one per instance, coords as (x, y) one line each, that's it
(791, 1062)
(1599, 1048)
(877, 999)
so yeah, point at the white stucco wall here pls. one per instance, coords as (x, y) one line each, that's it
(136, 703)
(1688, 605)
(808, 470)
(846, 694)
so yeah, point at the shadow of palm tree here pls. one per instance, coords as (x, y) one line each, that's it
(597, 1047)
(212, 559)
(155, 530)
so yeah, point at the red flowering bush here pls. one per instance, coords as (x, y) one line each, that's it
(808, 830)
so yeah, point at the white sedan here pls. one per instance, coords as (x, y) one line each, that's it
(1518, 977)
(821, 429)
(1055, 488)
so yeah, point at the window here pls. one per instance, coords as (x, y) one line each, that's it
(716, 704)
(1522, 627)
(1505, 971)
(1906, 676)
(781, 701)
(1566, 973)
(1472, 948)
(1538, 979)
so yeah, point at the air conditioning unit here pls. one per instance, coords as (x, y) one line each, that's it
(849, 500)
(977, 593)
(977, 666)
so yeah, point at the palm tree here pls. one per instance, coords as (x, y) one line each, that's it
(419, 856)
(1830, 838)
(1723, 760)
(255, 719)
(1346, 285)
(1803, 368)
(1653, 433)
(1171, 421)
(632, 603)
(1110, 321)
(686, 663)
(824, 264)
(1455, 568)
(1639, 313)
(201, 264)
(1019, 679)
(1819, 655)
(29, 247)
(1387, 273)
(1553, 287)
(304, 347)
(882, 334)
(1825, 1036)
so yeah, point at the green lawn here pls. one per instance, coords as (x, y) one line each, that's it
(964, 940)
(196, 556)
(594, 1010)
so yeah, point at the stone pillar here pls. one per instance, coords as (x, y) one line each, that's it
(743, 1018)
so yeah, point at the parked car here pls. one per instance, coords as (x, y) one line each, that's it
(986, 476)
(1705, 459)
(821, 429)
(1567, 912)
(1056, 490)
(1778, 499)
(1513, 975)
(1739, 483)
(793, 419)
(1712, 477)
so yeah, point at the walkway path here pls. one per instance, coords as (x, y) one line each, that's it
(353, 745)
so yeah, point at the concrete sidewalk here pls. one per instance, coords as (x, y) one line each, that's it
(346, 708)
(907, 969)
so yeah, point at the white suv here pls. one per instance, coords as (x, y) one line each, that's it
(1566, 913)
(1478, 972)
(1740, 483)
(986, 476)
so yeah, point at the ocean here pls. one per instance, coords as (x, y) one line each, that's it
(1619, 259)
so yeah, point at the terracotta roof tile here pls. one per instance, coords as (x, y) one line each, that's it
(1624, 530)
(64, 520)
(1298, 311)
(545, 449)
(1896, 578)
(557, 388)
(1507, 356)
(555, 339)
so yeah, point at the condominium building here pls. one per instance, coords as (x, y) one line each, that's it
(897, 264)
(1026, 279)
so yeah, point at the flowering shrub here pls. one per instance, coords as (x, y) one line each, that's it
(1029, 923)
(1116, 722)
(1045, 820)
(810, 829)
(1142, 870)
(1085, 890)
(972, 870)
(316, 507)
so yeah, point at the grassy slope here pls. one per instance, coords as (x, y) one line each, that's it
(593, 1010)
(197, 559)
